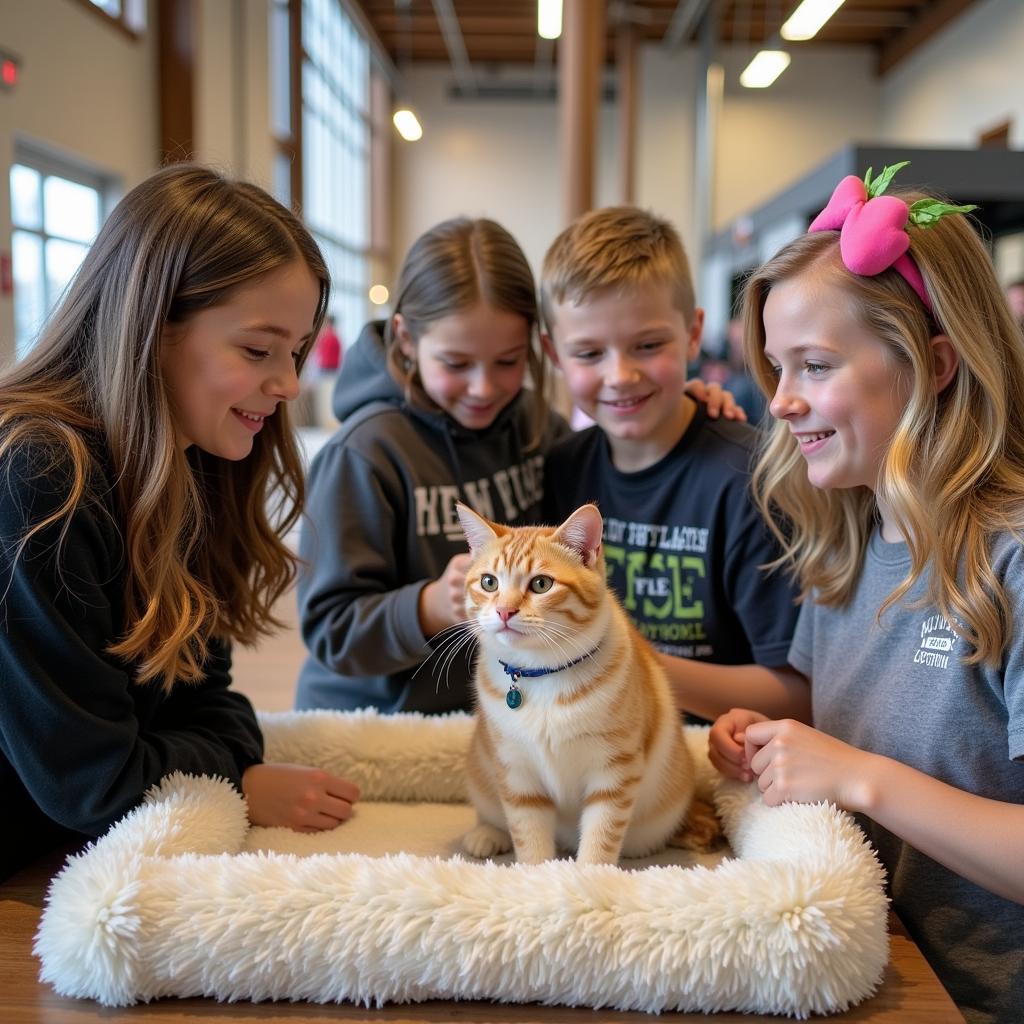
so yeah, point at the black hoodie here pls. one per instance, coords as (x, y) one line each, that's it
(80, 739)
(381, 524)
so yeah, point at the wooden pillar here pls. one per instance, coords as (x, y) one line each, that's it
(626, 67)
(581, 60)
(176, 63)
(295, 99)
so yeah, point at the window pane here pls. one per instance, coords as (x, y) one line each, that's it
(29, 289)
(26, 209)
(71, 210)
(283, 179)
(336, 143)
(135, 15)
(112, 7)
(62, 260)
(280, 71)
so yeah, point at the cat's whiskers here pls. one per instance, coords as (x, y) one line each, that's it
(452, 638)
(469, 637)
(552, 642)
(577, 649)
(446, 635)
(456, 645)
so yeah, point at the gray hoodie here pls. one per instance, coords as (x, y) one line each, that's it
(381, 524)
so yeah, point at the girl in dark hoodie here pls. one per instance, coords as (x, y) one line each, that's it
(433, 411)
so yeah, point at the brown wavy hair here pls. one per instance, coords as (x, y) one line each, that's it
(451, 268)
(202, 535)
(954, 470)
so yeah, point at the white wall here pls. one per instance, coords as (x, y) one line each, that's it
(501, 159)
(968, 79)
(480, 158)
(964, 81)
(768, 138)
(665, 169)
(85, 90)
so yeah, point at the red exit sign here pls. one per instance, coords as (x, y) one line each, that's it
(8, 71)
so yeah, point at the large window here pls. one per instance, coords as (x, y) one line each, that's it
(336, 133)
(56, 211)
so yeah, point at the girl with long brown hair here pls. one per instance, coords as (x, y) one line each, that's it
(147, 475)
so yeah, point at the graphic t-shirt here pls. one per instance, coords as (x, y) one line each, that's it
(683, 542)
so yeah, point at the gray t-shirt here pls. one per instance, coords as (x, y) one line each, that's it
(898, 687)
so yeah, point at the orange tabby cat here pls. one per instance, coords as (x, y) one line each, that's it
(577, 742)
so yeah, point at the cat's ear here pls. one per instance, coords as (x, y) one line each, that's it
(581, 533)
(478, 530)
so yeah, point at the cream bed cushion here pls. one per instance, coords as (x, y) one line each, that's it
(183, 898)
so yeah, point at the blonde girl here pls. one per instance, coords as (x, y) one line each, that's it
(896, 380)
(147, 475)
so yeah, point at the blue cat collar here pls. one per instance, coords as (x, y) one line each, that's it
(514, 697)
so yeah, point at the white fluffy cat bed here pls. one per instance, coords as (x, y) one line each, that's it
(182, 898)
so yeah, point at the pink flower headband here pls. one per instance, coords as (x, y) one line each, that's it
(872, 226)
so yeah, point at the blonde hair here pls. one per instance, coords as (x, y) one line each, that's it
(619, 247)
(203, 550)
(451, 268)
(953, 474)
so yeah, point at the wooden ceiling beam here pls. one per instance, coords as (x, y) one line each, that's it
(426, 21)
(494, 41)
(506, 32)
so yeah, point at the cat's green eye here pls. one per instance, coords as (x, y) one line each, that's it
(541, 584)
(489, 583)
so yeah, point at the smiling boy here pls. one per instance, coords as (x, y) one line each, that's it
(683, 542)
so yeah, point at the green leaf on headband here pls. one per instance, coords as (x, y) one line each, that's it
(882, 182)
(926, 212)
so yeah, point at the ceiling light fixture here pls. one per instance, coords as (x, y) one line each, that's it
(766, 66)
(808, 18)
(549, 18)
(408, 125)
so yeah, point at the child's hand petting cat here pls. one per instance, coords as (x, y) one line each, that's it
(297, 796)
(794, 762)
(726, 748)
(719, 402)
(443, 602)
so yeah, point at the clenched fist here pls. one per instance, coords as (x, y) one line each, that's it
(443, 602)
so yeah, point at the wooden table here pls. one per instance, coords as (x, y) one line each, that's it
(910, 992)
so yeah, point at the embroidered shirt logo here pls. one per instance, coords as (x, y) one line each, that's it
(937, 641)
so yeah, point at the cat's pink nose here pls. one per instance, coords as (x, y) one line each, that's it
(506, 613)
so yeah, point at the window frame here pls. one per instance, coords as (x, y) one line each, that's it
(133, 25)
(350, 259)
(51, 165)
